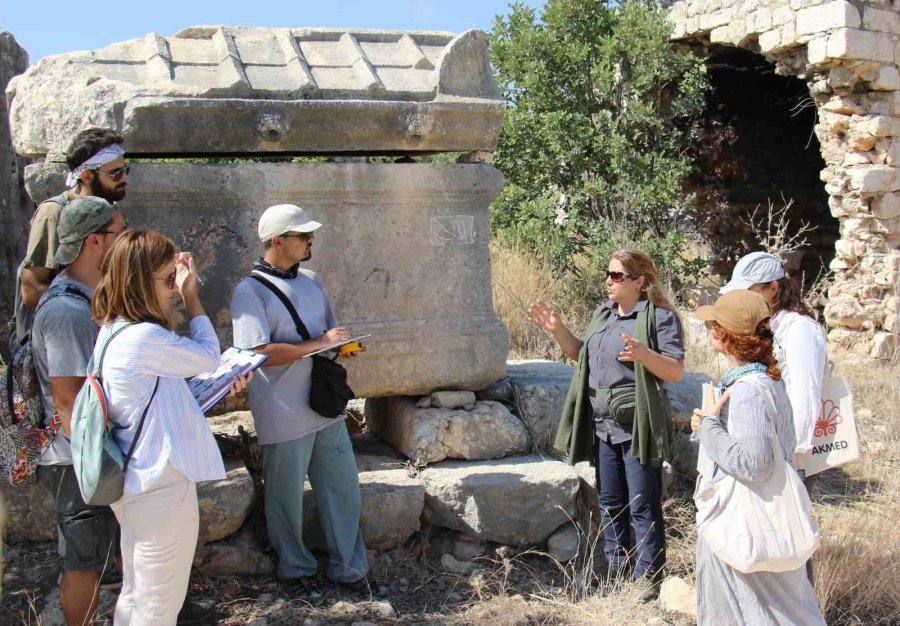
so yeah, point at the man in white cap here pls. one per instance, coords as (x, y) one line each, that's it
(295, 440)
(800, 344)
(97, 167)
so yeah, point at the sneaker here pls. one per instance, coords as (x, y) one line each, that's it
(304, 588)
(195, 613)
(111, 579)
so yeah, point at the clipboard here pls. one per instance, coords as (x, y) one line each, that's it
(210, 387)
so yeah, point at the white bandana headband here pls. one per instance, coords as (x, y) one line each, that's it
(104, 156)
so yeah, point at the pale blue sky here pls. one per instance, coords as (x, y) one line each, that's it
(46, 27)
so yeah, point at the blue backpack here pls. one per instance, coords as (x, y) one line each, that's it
(96, 457)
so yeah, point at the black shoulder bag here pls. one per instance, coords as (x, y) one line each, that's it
(329, 392)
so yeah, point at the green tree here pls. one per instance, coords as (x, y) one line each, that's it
(603, 115)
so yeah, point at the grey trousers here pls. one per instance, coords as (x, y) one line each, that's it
(327, 458)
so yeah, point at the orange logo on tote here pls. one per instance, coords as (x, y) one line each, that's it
(828, 421)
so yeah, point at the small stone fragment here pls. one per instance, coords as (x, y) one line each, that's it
(450, 564)
(424, 402)
(452, 399)
(563, 543)
(384, 608)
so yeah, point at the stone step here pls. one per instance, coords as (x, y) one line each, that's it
(429, 435)
(516, 501)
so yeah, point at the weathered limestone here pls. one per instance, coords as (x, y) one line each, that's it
(429, 435)
(677, 596)
(275, 89)
(564, 543)
(392, 503)
(514, 501)
(14, 205)
(539, 391)
(225, 504)
(849, 53)
(403, 253)
(30, 513)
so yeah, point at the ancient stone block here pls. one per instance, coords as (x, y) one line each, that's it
(564, 543)
(275, 89)
(817, 50)
(30, 513)
(888, 79)
(540, 389)
(885, 345)
(403, 253)
(514, 501)
(850, 43)
(218, 559)
(845, 312)
(14, 205)
(488, 431)
(884, 21)
(225, 504)
(871, 179)
(828, 16)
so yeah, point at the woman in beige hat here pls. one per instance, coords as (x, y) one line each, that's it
(736, 439)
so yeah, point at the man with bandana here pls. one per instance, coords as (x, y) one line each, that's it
(97, 167)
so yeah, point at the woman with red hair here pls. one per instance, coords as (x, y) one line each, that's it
(736, 435)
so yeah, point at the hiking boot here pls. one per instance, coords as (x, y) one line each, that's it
(195, 613)
(304, 588)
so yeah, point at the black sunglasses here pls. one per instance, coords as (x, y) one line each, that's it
(618, 277)
(117, 173)
(295, 235)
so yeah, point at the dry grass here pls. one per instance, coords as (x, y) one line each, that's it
(857, 507)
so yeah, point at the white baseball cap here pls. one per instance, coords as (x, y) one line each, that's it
(281, 218)
(754, 268)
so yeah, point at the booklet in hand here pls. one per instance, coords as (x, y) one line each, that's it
(210, 387)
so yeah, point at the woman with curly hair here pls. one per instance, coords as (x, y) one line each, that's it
(736, 439)
(616, 413)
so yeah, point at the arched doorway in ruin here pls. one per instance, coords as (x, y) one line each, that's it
(761, 162)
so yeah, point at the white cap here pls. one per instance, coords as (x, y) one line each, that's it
(756, 267)
(281, 218)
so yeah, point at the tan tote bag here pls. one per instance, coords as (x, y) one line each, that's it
(764, 526)
(835, 437)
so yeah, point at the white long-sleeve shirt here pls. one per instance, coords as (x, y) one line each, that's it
(175, 430)
(802, 353)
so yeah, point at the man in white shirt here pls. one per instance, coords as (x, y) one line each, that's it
(295, 440)
(62, 340)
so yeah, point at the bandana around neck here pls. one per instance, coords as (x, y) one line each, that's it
(742, 370)
(103, 156)
(261, 265)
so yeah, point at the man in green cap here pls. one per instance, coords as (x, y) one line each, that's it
(62, 339)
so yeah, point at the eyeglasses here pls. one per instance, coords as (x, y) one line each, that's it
(170, 280)
(117, 173)
(618, 277)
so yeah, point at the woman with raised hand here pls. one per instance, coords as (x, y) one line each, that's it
(616, 414)
(742, 440)
(143, 374)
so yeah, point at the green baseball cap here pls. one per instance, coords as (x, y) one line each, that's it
(81, 217)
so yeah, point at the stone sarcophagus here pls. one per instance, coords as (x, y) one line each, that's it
(404, 246)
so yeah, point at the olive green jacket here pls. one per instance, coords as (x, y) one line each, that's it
(652, 429)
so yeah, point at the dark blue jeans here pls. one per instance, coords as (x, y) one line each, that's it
(624, 485)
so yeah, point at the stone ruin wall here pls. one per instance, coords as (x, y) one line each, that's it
(14, 205)
(848, 52)
(404, 248)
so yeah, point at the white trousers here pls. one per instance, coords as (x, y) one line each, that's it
(159, 537)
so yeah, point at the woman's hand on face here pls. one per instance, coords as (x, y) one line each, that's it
(542, 316)
(634, 350)
(185, 274)
(239, 383)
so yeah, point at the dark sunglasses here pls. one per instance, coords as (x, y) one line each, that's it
(117, 173)
(618, 277)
